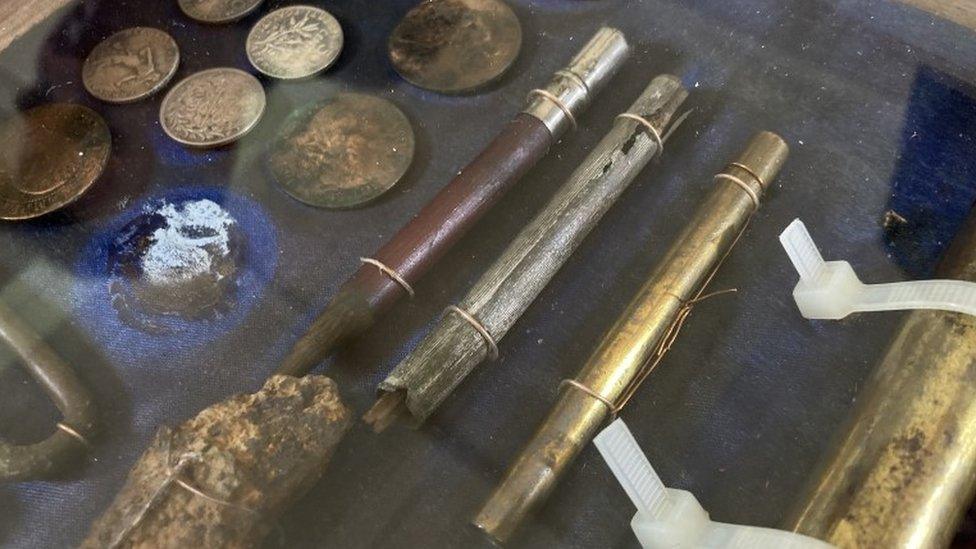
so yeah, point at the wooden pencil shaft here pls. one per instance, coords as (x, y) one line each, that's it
(633, 340)
(463, 201)
(453, 349)
(903, 472)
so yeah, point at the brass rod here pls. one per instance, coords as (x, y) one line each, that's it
(903, 472)
(637, 337)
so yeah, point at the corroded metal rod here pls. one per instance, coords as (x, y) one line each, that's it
(70, 396)
(390, 272)
(608, 377)
(466, 336)
(904, 471)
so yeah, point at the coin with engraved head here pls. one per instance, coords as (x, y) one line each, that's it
(212, 107)
(218, 11)
(455, 46)
(49, 156)
(294, 42)
(130, 65)
(342, 152)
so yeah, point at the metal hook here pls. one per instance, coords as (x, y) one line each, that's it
(69, 395)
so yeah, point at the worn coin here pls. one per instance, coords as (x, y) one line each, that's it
(218, 11)
(130, 65)
(212, 107)
(342, 152)
(454, 46)
(49, 156)
(294, 42)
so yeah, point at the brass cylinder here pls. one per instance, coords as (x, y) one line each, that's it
(904, 471)
(635, 338)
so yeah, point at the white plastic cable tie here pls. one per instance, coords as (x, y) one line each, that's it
(673, 519)
(831, 289)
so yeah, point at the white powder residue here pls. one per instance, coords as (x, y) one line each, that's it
(194, 234)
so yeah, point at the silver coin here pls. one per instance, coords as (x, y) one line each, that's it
(218, 11)
(212, 107)
(294, 42)
(130, 65)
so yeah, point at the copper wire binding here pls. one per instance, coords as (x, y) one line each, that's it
(73, 433)
(395, 276)
(747, 188)
(172, 477)
(651, 130)
(555, 101)
(477, 325)
(753, 195)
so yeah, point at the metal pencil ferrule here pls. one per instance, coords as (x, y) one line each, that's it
(572, 88)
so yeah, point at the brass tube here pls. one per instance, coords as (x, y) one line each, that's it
(635, 338)
(904, 471)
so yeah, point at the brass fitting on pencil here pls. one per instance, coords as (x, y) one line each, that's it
(638, 340)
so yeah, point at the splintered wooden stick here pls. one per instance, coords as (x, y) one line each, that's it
(224, 477)
(389, 274)
(468, 333)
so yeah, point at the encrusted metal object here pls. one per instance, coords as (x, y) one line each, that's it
(224, 477)
(130, 65)
(903, 471)
(218, 11)
(636, 343)
(69, 439)
(294, 42)
(455, 46)
(49, 156)
(343, 152)
(212, 107)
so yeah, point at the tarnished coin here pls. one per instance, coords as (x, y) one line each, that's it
(49, 156)
(130, 64)
(212, 107)
(454, 46)
(294, 42)
(218, 11)
(342, 152)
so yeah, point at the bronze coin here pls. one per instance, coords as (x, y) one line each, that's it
(218, 11)
(294, 42)
(130, 65)
(342, 152)
(49, 156)
(454, 46)
(212, 107)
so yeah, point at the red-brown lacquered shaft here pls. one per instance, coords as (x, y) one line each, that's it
(422, 241)
(444, 220)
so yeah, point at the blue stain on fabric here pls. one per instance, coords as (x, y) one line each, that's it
(174, 271)
(933, 187)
